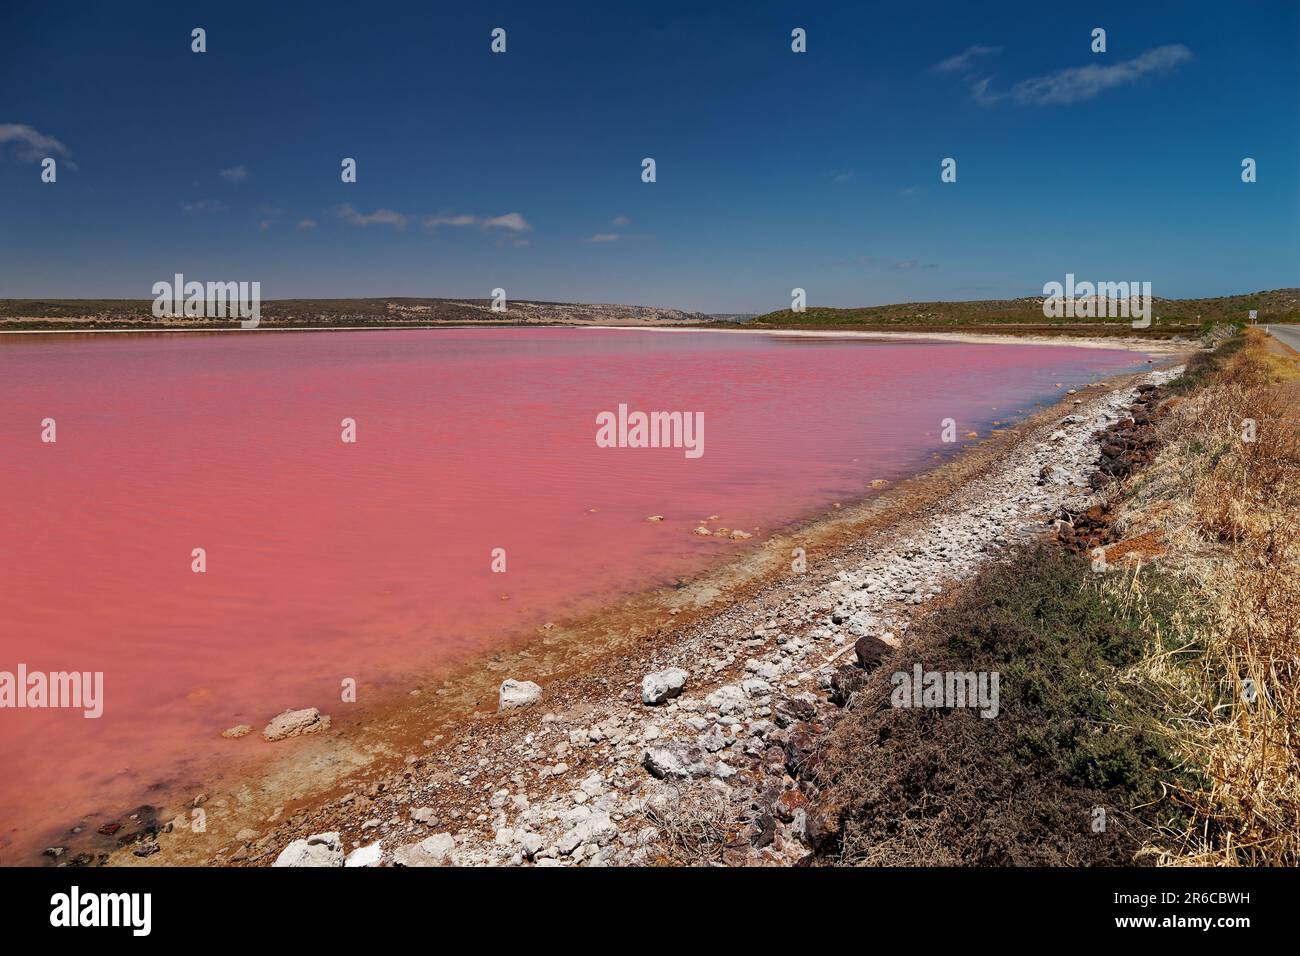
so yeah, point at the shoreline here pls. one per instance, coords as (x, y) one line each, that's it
(1164, 346)
(583, 666)
(1169, 346)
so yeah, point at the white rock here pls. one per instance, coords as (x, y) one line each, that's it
(727, 698)
(662, 685)
(674, 760)
(437, 850)
(516, 693)
(295, 723)
(592, 785)
(319, 849)
(531, 842)
(365, 855)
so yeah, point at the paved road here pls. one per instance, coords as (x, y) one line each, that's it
(1286, 334)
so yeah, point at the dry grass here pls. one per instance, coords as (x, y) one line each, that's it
(1124, 691)
(1229, 509)
(694, 822)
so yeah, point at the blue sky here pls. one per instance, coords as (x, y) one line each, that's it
(775, 169)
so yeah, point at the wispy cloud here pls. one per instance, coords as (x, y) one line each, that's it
(618, 222)
(907, 265)
(380, 217)
(307, 223)
(841, 175)
(511, 222)
(432, 222)
(204, 206)
(964, 61)
(234, 175)
(1078, 83)
(31, 145)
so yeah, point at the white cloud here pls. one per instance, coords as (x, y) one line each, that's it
(234, 175)
(964, 61)
(604, 237)
(1075, 84)
(306, 223)
(463, 220)
(620, 221)
(31, 145)
(511, 220)
(383, 217)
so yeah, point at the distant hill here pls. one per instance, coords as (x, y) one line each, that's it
(75, 314)
(1016, 316)
(1169, 316)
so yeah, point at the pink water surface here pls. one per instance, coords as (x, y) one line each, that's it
(371, 560)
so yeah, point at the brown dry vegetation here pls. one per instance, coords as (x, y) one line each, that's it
(949, 787)
(1121, 690)
(1230, 511)
(694, 824)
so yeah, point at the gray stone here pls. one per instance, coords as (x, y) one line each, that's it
(531, 842)
(675, 761)
(319, 849)
(662, 685)
(437, 850)
(295, 723)
(726, 699)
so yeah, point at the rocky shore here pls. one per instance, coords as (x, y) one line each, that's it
(700, 754)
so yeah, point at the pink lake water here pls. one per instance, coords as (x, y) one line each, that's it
(372, 560)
